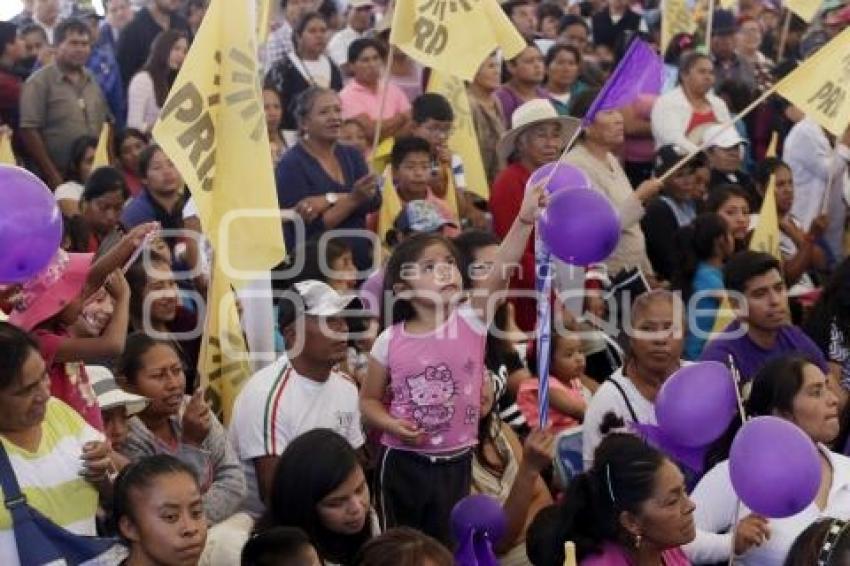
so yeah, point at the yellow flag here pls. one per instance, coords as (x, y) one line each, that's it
(101, 152)
(464, 140)
(724, 316)
(820, 86)
(765, 236)
(453, 36)
(7, 156)
(223, 356)
(213, 128)
(806, 9)
(390, 205)
(675, 18)
(728, 4)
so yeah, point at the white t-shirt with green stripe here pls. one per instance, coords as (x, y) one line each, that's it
(49, 477)
(277, 405)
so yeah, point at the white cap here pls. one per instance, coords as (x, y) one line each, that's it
(361, 3)
(729, 137)
(320, 299)
(110, 395)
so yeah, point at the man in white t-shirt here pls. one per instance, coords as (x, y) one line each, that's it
(359, 24)
(301, 391)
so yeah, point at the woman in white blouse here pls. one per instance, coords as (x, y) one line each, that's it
(149, 87)
(792, 388)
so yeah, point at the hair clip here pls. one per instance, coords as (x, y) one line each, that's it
(830, 541)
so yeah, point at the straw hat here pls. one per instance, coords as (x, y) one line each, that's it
(533, 113)
(110, 395)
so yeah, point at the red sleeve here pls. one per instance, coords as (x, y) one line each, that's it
(48, 345)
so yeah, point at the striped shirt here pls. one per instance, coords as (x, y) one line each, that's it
(49, 477)
(277, 405)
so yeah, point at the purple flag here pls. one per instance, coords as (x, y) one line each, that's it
(640, 71)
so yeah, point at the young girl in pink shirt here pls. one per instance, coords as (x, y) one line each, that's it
(423, 388)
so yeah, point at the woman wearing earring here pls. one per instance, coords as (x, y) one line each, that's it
(326, 183)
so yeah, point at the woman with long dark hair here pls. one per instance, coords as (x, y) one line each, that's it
(631, 507)
(319, 486)
(149, 87)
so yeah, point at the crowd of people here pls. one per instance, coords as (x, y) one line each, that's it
(406, 372)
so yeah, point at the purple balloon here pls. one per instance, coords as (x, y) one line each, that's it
(30, 225)
(696, 404)
(480, 514)
(774, 467)
(579, 226)
(565, 176)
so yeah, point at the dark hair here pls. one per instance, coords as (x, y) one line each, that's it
(359, 45)
(580, 103)
(720, 194)
(688, 62)
(512, 5)
(403, 546)
(831, 308)
(274, 547)
(104, 180)
(402, 147)
(35, 28)
(773, 390)
(808, 546)
(432, 105)
(15, 347)
(79, 147)
(8, 35)
(305, 100)
(146, 157)
(766, 169)
(406, 253)
(137, 278)
(548, 11)
(124, 135)
(137, 345)
(679, 43)
(312, 466)
(745, 265)
(76, 234)
(694, 243)
(140, 475)
(157, 66)
(572, 20)
(70, 25)
(302, 25)
(622, 479)
(736, 93)
(559, 47)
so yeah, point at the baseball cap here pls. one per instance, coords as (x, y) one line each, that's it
(311, 297)
(110, 395)
(421, 216)
(729, 137)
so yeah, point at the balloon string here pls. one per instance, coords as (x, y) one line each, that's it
(736, 381)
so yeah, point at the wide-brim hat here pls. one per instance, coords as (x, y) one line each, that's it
(51, 290)
(109, 393)
(533, 113)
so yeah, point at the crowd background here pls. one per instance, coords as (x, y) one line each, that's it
(352, 443)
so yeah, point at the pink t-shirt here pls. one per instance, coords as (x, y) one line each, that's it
(614, 555)
(435, 380)
(358, 99)
(69, 381)
(527, 400)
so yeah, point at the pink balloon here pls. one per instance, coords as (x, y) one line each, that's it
(579, 226)
(565, 176)
(774, 467)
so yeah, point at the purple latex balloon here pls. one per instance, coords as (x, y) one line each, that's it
(696, 404)
(565, 176)
(481, 514)
(30, 225)
(579, 226)
(774, 467)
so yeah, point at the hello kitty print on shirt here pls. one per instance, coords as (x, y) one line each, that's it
(431, 394)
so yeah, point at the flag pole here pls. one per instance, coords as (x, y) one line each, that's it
(725, 126)
(783, 38)
(384, 88)
(709, 25)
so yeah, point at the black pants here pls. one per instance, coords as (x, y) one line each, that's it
(418, 491)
